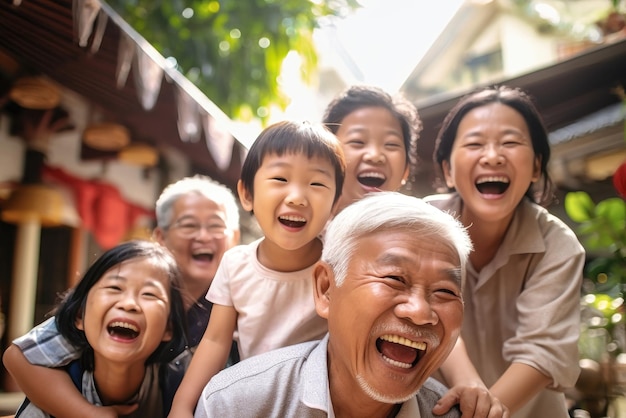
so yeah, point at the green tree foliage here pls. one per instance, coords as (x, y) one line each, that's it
(233, 49)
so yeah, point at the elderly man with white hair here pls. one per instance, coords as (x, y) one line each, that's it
(389, 283)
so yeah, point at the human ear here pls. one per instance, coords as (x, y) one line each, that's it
(79, 322)
(537, 169)
(158, 235)
(405, 176)
(323, 276)
(447, 173)
(168, 334)
(244, 196)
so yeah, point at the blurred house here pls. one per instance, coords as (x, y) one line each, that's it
(569, 55)
(562, 53)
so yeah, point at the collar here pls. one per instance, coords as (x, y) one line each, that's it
(316, 393)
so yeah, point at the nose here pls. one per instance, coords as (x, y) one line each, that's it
(128, 302)
(205, 233)
(296, 196)
(417, 309)
(492, 155)
(374, 154)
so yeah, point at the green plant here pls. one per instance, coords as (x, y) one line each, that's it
(602, 229)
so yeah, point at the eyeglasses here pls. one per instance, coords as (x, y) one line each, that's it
(190, 229)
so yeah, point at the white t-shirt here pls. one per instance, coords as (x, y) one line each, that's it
(275, 309)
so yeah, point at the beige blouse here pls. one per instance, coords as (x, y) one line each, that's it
(524, 306)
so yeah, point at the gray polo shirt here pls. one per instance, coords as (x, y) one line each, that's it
(291, 382)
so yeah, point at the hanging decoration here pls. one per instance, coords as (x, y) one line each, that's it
(125, 53)
(188, 117)
(85, 13)
(195, 112)
(219, 142)
(148, 82)
(101, 25)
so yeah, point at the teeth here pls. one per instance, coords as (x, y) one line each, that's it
(292, 218)
(126, 325)
(492, 179)
(404, 341)
(397, 363)
(372, 174)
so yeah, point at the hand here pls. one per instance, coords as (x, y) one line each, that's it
(475, 401)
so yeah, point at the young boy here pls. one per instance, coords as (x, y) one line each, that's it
(263, 292)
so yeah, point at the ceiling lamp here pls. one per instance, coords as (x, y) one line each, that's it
(34, 202)
(139, 154)
(35, 93)
(106, 136)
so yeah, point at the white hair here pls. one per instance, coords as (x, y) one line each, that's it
(203, 186)
(390, 211)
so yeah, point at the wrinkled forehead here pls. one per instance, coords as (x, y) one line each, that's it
(199, 206)
(400, 246)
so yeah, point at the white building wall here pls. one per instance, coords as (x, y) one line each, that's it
(524, 48)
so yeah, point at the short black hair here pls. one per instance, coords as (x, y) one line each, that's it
(291, 137)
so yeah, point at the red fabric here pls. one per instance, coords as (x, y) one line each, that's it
(101, 207)
(111, 216)
(619, 180)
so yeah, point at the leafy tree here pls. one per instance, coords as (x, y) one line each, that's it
(233, 49)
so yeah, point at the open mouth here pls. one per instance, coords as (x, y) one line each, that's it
(399, 351)
(292, 221)
(123, 330)
(371, 179)
(492, 185)
(203, 256)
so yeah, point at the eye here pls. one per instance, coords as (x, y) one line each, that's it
(355, 142)
(113, 288)
(318, 184)
(472, 145)
(448, 291)
(394, 145)
(190, 225)
(281, 179)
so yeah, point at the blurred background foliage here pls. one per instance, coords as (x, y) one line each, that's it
(602, 229)
(232, 49)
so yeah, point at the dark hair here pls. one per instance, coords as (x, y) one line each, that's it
(359, 97)
(289, 137)
(73, 303)
(517, 100)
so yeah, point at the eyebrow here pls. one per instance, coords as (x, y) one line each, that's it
(454, 274)
(213, 216)
(360, 128)
(279, 164)
(147, 283)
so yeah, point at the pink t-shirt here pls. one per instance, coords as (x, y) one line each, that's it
(275, 309)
